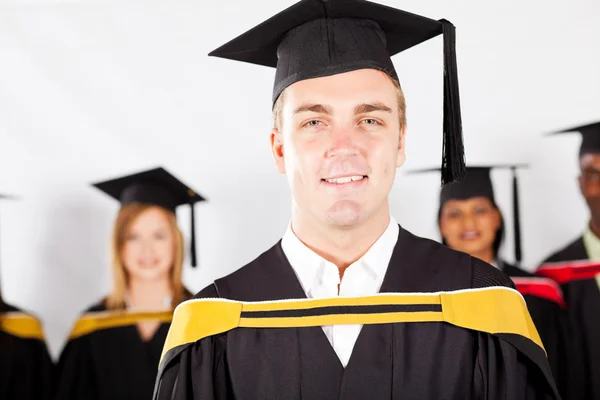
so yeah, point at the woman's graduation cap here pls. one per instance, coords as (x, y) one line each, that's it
(478, 183)
(590, 143)
(157, 187)
(317, 38)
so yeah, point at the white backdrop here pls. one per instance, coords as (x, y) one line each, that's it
(94, 89)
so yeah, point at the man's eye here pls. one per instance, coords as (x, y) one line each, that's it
(313, 123)
(370, 121)
(593, 176)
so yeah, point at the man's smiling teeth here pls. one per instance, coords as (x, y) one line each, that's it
(346, 179)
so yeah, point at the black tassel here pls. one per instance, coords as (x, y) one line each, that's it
(193, 236)
(516, 218)
(453, 156)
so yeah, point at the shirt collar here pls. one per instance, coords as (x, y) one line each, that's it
(378, 257)
(306, 263)
(591, 243)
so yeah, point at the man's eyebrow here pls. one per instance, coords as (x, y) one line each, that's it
(371, 107)
(316, 108)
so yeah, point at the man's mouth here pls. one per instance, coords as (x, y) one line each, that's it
(344, 179)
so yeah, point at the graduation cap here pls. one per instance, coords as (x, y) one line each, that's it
(157, 187)
(317, 38)
(590, 143)
(478, 183)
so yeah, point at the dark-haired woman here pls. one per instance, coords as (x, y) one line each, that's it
(470, 221)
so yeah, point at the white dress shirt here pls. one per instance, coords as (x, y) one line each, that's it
(320, 279)
(591, 242)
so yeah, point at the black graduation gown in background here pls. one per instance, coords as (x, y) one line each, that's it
(583, 306)
(432, 360)
(110, 364)
(550, 319)
(26, 369)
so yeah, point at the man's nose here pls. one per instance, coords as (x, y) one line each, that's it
(342, 144)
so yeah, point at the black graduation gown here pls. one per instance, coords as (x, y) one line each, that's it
(389, 361)
(26, 369)
(583, 306)
(550, 319)
(112, 363)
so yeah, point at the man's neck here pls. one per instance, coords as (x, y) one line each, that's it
(148, 294)
(341, 246)
(595, 226)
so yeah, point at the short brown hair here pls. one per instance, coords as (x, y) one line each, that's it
(127, 215)
(278, 107)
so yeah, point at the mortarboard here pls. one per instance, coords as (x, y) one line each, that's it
(157, 187)
(590, 134)
(317, 38)
(478, 183)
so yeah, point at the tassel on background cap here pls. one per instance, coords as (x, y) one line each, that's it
(453, 152)
(194, 260)
(517, 218)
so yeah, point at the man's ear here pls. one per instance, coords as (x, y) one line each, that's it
(401, 156)
(581, 182)
(277, 149)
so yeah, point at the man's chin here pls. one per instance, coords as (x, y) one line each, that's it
(345, 215)
(595, 218)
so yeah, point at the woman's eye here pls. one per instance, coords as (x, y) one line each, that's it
(159, 236)
(453, 214)
(131, 237)
(481, 211)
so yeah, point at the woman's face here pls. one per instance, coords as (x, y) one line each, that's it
(470, 225)
(148, 252)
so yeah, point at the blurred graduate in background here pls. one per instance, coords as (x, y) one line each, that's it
(470, 221)
(114, 348)
(577, 268)
(26, 369)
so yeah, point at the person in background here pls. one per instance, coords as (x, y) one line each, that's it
(114, 348)
(26, 369)
(349, 305)
(577, 268)
(470, 221)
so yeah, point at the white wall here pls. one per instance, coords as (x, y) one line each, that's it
(91, 90)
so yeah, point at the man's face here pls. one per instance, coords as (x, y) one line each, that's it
(589, 182)
(339, 144)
